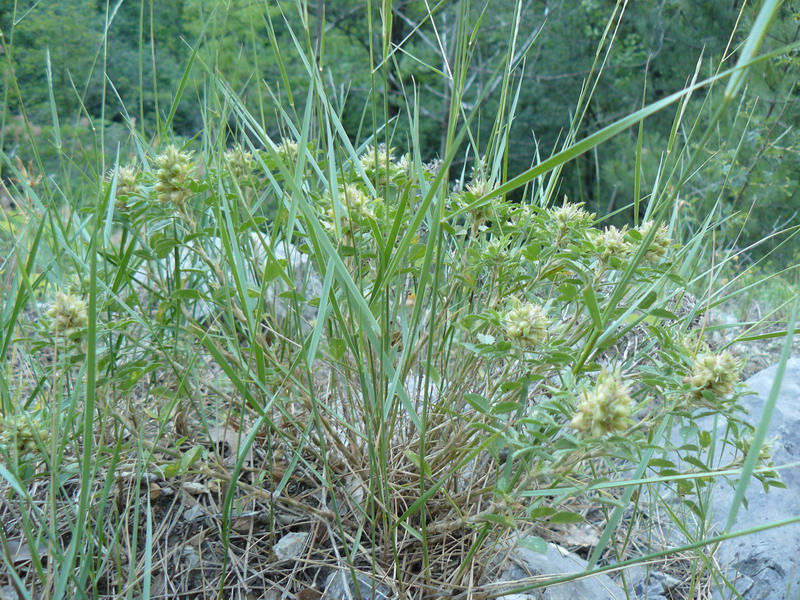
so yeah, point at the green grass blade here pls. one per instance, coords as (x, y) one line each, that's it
(760, 435)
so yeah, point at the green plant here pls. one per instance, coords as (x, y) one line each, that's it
(348, 342)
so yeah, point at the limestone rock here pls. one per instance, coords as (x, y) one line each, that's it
(340, 586)
(766, 565)
(290, 546)
(522, 564)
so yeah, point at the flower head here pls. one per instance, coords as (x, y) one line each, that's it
(604, 409)
(240, 162)
(527, 323)
(660, 243)
(69, 315)
(173, 173)
(406, 164)
(356, 201)
(375, 159)
(357, 206)
(479, 187)
(288, 151)
(23, 434)
(612, 243)
(378, 163)
(127, 185)
(570, 216)
(433, 167)
(716, 373)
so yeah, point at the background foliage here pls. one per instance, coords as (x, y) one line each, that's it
(658, 45)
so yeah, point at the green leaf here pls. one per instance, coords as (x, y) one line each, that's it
(567, 292)
(662, 313)
(419, 462)
(170, 470)
(478, 402)
(499, 519)
(565, 444)
(705, 439)
(560, 357)
(566, 516)
(533, 542)
(163, 247)
(274, 269)
(187, 294)
(13, 482)
(591, 305)
(189, 458)
(541, 512)
(648, 300)
(337, 347)
(661, 462)
(517, 384)
(505, 407)
(531, 251)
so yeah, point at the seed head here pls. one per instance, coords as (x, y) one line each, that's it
(356, 201)
(174, 168)
(433, 167)
(716, 373)
(239, 162)
(406, 164)
(287, 151)
(660, 243)
(127, 185)
(376, 158)
(22, 435)
(604, 409)
(479, 187)
(379, 164)
(612, 242)
(570, 216)
(357, 206)
(69, 315)
(527, 324)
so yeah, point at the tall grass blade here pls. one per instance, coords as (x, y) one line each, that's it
(760, 434)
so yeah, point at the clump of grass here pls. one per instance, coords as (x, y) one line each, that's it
(306, 335)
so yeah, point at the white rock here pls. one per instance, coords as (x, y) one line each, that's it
(194, 488)
(520, 564)
(340, 586)
(290, 546)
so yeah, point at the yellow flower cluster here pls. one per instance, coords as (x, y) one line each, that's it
(127, 185)
(69, 315)
(174, 168)
(376, 159)
(527, 324)
(716, 373)
(659, 245)
(613, 242)
(379, 164)
(570, 216)
(604, 409)
(288, 152)
(356, 201)
(22, 434)
(240, 162)
(357, 206)
(479, 187)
